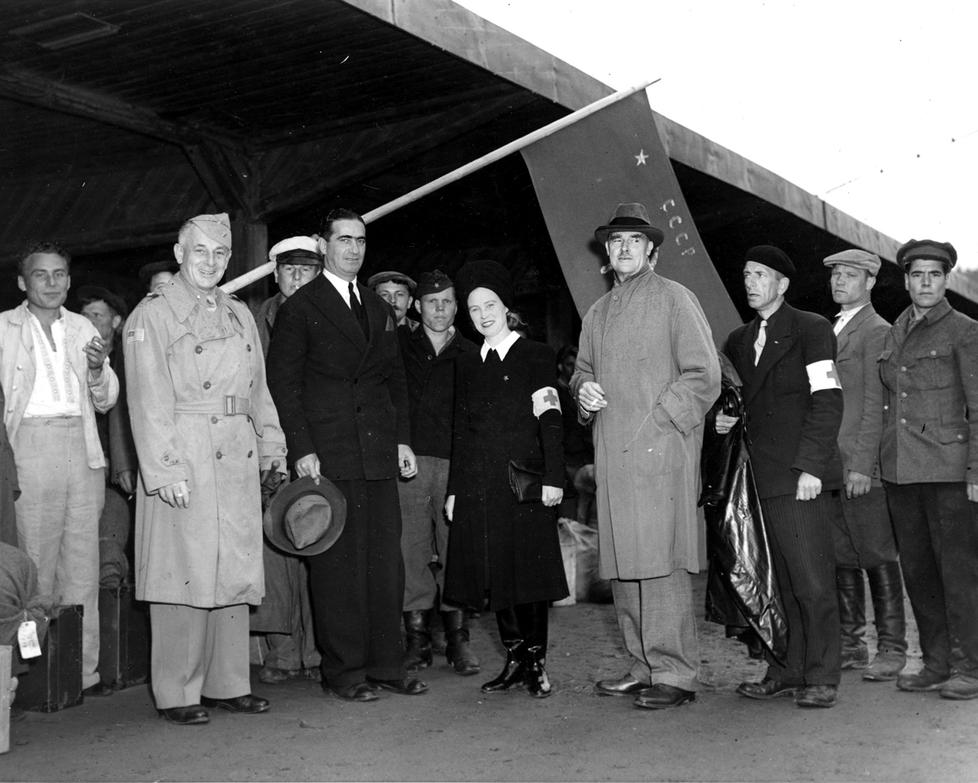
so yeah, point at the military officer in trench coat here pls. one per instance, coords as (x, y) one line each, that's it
(204, 425)
(647, 373)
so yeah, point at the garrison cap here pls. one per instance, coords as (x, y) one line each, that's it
(215, 227)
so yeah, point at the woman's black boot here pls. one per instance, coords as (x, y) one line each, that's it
(533, 619)
(512, 639)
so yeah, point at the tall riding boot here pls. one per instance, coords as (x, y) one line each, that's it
(457, 643)
(512, 639)
(417, 628)
(852, 615)
(886, 590)
(533, 620)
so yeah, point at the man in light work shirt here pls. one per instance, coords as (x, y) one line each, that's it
(56, 377)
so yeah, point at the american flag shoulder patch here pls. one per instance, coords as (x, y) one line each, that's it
(135, 335)
(545, 399)
(822, 376)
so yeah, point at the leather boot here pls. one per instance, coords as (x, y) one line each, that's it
(852, 616)
(509, 634)
(417, 628)
(533, 619)
(886, 590)
(457, 649)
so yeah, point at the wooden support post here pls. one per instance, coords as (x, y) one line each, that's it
(249, 249)
(6, 697)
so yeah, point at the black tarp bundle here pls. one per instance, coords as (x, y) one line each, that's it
(741, 589)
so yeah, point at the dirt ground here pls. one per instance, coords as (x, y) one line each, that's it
(875, 733)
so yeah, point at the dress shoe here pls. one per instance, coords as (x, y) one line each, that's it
(767, 688)
(98, 689)
(248, 704)
(960, 687)
(660, 696)
(271, 675)
(359, 691)
(186, 716)
(817, 696)
(885, 666)
(406, 686)
(924, 680)
(626, 686)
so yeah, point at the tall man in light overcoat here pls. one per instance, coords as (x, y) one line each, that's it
(862, 532)
(205, 428)
(929, 463)
(647, 373)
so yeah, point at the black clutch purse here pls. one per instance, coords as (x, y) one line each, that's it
(526, 480)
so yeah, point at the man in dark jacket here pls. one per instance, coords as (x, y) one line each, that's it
(335, 372)
(786, 359)
(929, 464)
(429, 361)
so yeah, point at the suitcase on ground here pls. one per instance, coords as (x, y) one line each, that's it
(54, 680)
(124, 650)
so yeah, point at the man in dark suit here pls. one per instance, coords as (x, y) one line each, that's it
(863, 533)
(337, 379)
(786, 358)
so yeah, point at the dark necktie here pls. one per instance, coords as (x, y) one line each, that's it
(358, 312)
(492, 357)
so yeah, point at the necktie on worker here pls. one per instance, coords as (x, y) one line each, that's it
(358, 312)
(760, 341)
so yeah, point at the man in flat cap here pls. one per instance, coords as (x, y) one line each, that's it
(285, 616)
(335, 370)
(429, 355)
(863, 533)
(55, 372)
(929, 464)
(786, 360)
(647, 373)
(397, 289)
(107, 311)
(205, 430)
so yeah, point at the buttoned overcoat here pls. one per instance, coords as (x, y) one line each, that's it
(189, 375)
(649, 346)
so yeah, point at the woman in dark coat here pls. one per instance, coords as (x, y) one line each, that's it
(501, 553)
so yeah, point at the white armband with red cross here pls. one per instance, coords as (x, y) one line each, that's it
(544, 400)
(822, 376)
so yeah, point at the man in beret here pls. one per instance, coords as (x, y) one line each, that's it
(107, 311)
(207, 436)
(56, 377)
(786, 360)
(397, 289)
(647, 372)
(863, 533)
(285, 615)
(929, 464)
(429, 355)
(335, 370)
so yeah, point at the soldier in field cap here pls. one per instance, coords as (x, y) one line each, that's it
(786, 360)
(929, 464)
(647, 373)
(863, 533)
(206, 434)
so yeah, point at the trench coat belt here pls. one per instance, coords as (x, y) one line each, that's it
(231, 406)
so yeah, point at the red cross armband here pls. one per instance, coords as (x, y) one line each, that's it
(822, 376)
(544, 400)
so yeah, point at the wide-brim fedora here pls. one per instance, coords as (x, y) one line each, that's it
(304, 518)
(631, 216)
